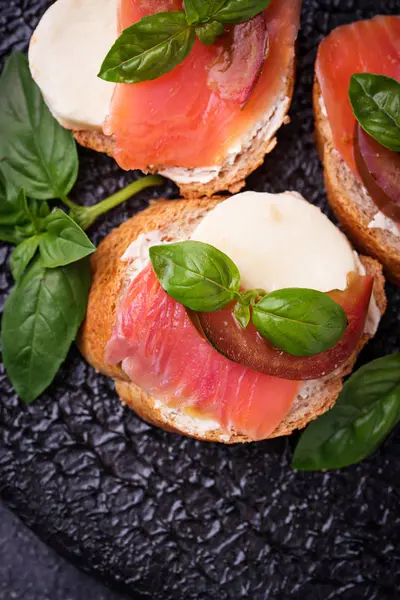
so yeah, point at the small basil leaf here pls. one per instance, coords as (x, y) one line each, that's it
(208, 32)
(237, 11)
(41, 318)
(366, 411)
(13, 205)
(149, 48)
(242, 314)
(16, 219)
(39, 209)
(64, 241)
(22, 256)
(224, 11)
(299, 321)
(196, 274)
(199, 11)
(39, 154)
(375, 100)
(8, 234)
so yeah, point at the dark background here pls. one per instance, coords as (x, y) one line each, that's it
(30, 570)
(169, 517)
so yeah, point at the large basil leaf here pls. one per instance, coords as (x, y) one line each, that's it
(375, 100)
(41, 319)
(64, 241)
(300, 321)
(40, 155)
(22, 256)
(224, 11)
(366, 411)
(149, 48)
(196, 274)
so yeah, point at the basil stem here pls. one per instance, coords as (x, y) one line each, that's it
(85, 216)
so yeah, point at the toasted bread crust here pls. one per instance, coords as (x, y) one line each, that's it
(232, 176)
(109, 274)
(350, 201)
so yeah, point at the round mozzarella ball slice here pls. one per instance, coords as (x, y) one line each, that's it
(279, 241)
(65, 54)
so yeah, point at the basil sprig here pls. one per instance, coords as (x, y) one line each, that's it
(156, 44)
(299, 321)
(375, 100)
(38, 162)
(366, 411)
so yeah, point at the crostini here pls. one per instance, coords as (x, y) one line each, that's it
(187, 370)
(206, 124)
(356, 65)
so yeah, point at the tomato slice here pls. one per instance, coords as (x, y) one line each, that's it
(249, 348)
(242, 51)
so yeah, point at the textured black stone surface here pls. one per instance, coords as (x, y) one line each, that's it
(173, 518)
(30, 570)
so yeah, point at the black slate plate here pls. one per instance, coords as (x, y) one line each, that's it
(172, 518)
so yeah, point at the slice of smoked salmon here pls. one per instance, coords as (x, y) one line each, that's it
(365, 46)
(163, 353)
(177, 119)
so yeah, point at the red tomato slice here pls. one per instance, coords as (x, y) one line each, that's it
(249, 348)
(242, 51)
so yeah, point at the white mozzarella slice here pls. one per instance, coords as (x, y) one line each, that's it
(65, 55)
(279, 241)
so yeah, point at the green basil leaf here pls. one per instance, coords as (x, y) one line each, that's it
(40, 155)
(299, 321)
(64, 241)
(8, 234)
(375, 100)
(238, 11)
(224, 11)
(366, 411)
(13, 205)
(149, 48)
(242, 314)
(22, 256)
(200, 11)
(208, 32)
(18, 220)
(39, 210)
(41, 318)
(196, 274)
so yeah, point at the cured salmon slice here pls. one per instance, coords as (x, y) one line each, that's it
(180, 120)
(162, 352)
(364, 46)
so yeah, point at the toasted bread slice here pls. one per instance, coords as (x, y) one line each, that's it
(175, 218)
(233, 172)
(350, 201)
